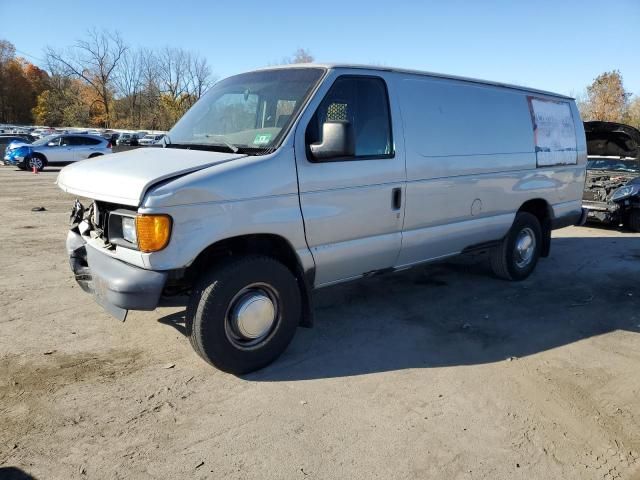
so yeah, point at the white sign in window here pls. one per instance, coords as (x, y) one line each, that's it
(554, 132)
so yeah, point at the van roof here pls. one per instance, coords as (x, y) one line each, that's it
(416, 72)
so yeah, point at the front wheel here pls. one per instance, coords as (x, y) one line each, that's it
(242, 315)
(36, 161)
(518, 253)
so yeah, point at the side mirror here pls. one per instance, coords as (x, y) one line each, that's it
(338, 141)
(51, 144)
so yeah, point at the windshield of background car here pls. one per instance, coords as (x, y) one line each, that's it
(614, 164)
(251, 111)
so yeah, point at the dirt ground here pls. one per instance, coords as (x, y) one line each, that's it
(441, 372)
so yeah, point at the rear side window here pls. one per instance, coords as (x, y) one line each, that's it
(79, 141)
(363, 102)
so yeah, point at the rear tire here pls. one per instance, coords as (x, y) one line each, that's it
(634, 220)
(242, 315)
(518, 253)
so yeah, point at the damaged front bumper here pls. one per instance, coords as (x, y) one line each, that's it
(603, 212)
(117, 286)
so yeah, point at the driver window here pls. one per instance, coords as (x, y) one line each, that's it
(363, 102)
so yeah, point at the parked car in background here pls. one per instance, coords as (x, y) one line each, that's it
(362, 171)
(612, 187)
(42, 132)
(150, 139)
(58, 149)
(131, 139)
(136, 137)
(5, 140)
(124, 139)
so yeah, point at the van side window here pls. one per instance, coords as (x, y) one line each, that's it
(363, 102)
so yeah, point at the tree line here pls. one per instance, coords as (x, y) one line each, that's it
(100, 81)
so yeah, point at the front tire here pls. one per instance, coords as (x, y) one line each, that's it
(242, 315)
(37, 161)
(518, 253)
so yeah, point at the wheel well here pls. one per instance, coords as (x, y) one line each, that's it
(542, 211)
(93, 155)
(269, 245)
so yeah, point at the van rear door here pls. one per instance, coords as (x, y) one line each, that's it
(353, 207)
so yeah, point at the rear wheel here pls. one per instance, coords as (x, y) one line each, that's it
(242, 315)
(634, 220)
(517, 255)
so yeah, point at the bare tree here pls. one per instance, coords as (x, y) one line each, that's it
(94, 60)
(173, 70)
(301, 55)
(129, 83)
(200, 78)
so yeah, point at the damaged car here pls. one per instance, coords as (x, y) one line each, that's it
(612, 186)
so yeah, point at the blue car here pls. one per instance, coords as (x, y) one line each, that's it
(18, 157)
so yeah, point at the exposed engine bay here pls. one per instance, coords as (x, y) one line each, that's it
(612, 185)
(600, 185)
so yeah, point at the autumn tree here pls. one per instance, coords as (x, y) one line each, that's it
(93, 60)
(20, 84)
(633, 113)
(606, 98)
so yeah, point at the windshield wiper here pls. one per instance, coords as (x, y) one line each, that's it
(223, 139)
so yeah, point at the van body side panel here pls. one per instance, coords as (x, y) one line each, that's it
(471, 164)
(351, 227)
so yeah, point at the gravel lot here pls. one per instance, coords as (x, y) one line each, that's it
(440, 372)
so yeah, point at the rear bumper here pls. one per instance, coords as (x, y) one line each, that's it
(115, 285)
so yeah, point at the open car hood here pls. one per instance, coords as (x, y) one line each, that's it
(125, 177)
(609, 139)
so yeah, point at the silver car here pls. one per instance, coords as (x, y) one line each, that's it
(63, 149)
(285, 180)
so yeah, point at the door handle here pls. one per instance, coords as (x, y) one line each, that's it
(396, 198)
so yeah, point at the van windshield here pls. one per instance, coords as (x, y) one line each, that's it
(247, 113)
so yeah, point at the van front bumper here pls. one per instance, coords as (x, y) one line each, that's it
(117, 286)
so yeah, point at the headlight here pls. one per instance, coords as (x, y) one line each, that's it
(624, 192)
(129, 230)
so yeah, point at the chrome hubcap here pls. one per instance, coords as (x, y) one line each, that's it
(36, 162)
(252, 315)
(525, 247)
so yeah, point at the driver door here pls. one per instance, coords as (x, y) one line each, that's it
(353, 206)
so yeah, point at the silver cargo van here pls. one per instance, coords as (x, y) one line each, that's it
(288, 179)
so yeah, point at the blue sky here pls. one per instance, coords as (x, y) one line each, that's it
(554, 45)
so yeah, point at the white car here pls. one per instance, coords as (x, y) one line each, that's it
(150, 139)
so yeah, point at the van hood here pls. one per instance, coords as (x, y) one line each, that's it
(125, 177)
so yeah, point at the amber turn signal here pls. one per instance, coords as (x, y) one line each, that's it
(153, 232)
